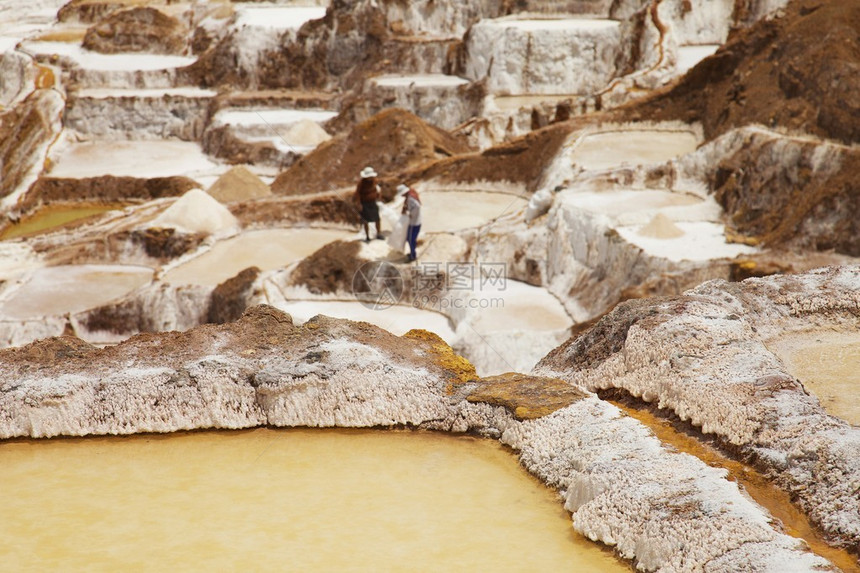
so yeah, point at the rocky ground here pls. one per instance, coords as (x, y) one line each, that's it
(597, 177)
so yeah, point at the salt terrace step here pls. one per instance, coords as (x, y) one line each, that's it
(144, 159)
(87, 69)
(276, 98)
(543, 56)
(436, 98)
(271, 124)
(256, 30)
(265, 135)
(274, 16)
(616, 148)
(156, 113)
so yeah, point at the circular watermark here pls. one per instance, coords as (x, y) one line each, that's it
(377, 285)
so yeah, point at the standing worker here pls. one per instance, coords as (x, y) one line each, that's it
(412, 208)
(366, 194)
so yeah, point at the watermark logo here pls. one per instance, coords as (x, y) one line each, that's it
(377, 285)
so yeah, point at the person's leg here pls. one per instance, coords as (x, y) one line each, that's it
(366, 230)
(378, 229)
(412, 235)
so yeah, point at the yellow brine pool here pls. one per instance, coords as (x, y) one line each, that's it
(282, 500)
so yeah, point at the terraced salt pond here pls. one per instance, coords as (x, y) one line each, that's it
(674, 225)
(54, 216)
(289, 130)
(267, 249)
(695, 241)
(828, 366)
(396, 319)
(638, 206)
(279, 17)
(611, 149)
(522, 307)
(455, 210)
(87, 59)
(307, 500)
(52, 291)
(134, 159)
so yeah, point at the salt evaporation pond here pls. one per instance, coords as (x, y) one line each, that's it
(307, 500)
(521, 307)
(145, 93)
(290, 130)
(53, 216)
(271, 116)
(267, 249)
(610, 149)
(560, 24)
(278, 17)
(638, 206)
(106, 62)
(396, 319)
(419, 80)
(53, 291)
(145, 159)
(828, 366)
(455, 210)
(697, 241)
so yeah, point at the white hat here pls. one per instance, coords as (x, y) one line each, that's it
(401, 189)
(368, 172)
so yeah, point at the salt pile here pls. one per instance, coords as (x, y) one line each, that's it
(196, 212)
(661, 227)
(306, 132)
(238, 184)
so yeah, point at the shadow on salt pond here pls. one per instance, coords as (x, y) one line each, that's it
(315, 499)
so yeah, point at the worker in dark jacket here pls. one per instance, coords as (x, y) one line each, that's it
(366, 194)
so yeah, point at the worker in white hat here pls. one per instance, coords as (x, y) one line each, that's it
(366, 195)
(412, 208)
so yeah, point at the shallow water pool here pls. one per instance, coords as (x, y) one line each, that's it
(286, 500)
(828, 365)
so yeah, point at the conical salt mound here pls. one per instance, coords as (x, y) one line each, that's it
(661, 227)
(306, 133)
(238, 184)
(196, 212)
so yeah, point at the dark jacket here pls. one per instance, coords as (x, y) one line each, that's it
(367, 190)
